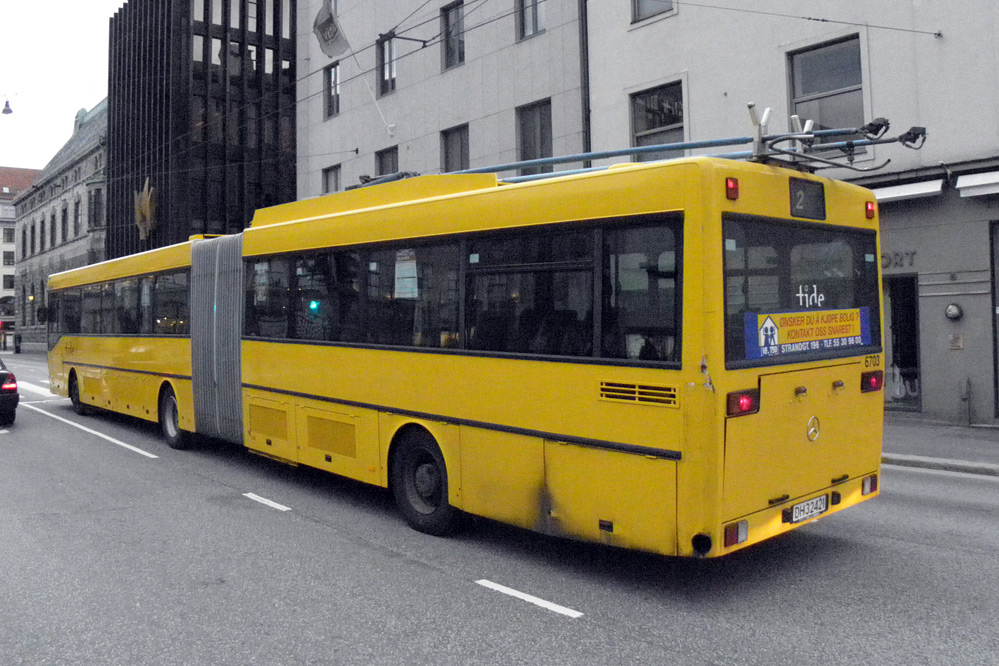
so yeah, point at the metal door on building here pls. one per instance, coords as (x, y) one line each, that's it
(901, 325)
(995, 309)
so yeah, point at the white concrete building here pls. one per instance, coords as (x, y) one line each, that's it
(466, 83)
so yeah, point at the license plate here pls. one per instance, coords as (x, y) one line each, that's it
(807, 509)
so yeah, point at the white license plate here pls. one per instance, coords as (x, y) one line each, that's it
(809, 509)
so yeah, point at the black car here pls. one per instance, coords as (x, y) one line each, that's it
(8, 396)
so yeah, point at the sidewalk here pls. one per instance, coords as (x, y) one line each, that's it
(913, 442)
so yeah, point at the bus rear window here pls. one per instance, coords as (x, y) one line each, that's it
(798, 292)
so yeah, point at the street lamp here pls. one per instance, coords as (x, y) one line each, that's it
(6, 108)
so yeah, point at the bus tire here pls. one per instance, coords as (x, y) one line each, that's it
(420, 485)
(170, 421)
(74, 397)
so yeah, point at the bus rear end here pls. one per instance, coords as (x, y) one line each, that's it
(802, 388)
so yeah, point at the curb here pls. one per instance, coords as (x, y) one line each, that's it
(947, 464)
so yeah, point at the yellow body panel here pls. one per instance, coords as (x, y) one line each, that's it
(770, 455)
(125, 374)
(534, 442)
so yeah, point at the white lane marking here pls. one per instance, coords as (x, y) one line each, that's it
(267, 502)
(88, 430)
(528, 598)
(4, 432)
(45, 381)
(41, 390)
(941, 472)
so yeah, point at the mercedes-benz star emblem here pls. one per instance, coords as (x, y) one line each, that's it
(813, 429)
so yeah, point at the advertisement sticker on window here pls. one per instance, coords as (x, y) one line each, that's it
(406, 275)
(774, 334)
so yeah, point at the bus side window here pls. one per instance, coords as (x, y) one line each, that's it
(146, 305)
(109, 322)
(127, 305)
(267, 299)
(70, 311)
(91, 316)
(640, 297)
(170, 304)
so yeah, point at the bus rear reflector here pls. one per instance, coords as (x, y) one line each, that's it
(872, 381)
(732, 188)
(736, 533)
(870, 485)
(871, 209)
(741, 403)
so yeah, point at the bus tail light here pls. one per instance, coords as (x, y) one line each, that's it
(870, 209)
(736, 533)
(872, 381)
(741, 403)
(870, 485)
(732, 188)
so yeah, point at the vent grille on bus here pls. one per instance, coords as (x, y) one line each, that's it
(645, 394)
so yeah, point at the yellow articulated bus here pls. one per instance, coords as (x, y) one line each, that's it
(681, 357)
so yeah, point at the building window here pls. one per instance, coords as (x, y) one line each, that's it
(453, 32)
(643, 9)
(8, 258)
(826, 85)
(454, 149)
(331, 179)
(332, 85)
(386, 65)
(8, 235)
(8, 282)
(76, 218)
(657, 118)
(387, 161)
(530, 17)
(534, 134)
(96, 210)
(32, 238)
(64, 224)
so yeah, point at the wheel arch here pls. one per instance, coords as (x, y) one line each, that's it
(444, 435)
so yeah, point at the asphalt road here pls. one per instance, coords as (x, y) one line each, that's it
(110, 556)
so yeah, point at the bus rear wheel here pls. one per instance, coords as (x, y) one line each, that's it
(170, 421)
(419, 484)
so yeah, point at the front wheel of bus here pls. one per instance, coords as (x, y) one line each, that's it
(419, 483)
(170, 421)
(74, 397)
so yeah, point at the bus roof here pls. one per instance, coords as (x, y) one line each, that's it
(150, 261)
(408, 189)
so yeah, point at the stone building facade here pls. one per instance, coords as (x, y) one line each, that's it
(13, 181)
(61, 221)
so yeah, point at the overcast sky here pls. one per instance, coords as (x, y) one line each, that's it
(53, 62)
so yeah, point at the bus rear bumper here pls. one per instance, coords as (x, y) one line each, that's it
(794, 513)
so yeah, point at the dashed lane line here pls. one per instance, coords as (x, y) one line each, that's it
(267, 502)
(529, 598)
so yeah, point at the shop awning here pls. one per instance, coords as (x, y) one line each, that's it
(927, 188)
(978, 184)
